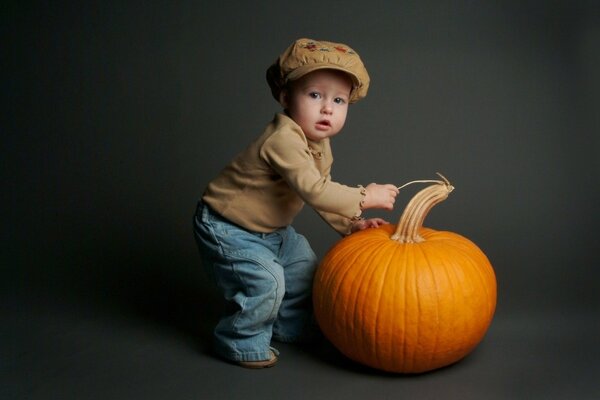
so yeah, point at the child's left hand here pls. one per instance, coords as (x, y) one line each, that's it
(367, 223)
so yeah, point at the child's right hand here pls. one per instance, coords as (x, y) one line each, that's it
(380, 196)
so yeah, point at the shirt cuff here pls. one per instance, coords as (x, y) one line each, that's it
(363, 193)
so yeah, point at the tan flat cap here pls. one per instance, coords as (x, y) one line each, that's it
(307, 55)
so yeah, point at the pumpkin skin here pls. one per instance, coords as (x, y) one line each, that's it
(405, 307)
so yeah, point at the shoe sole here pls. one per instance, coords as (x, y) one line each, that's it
(260, 364)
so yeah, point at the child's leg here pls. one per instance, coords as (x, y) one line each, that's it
(245, 269)
(299, 263)
(254, 289)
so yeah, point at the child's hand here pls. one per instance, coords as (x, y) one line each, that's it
(380, 196)
(367, 223)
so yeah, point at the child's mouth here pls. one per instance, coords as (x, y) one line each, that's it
(323, 124)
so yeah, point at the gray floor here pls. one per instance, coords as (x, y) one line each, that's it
(157, 347)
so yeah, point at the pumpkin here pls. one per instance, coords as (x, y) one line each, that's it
(405, 298)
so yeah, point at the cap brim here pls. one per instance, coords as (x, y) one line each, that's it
(305, 69)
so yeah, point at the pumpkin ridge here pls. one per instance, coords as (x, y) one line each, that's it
(405, 308)
(468, 325)
(356, 311)
(433, 350)
(485, 282)
(471, 325)
(414, 302)
(329, 276)
(346, 276)
(350, 278)
(361, 312)
(449, 324)
(370, 274)
(415, 267)
(476, 259)
(380, 295)
(399, 296)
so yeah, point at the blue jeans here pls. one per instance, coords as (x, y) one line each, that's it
(266, 279)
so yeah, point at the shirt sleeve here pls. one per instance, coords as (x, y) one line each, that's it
(340, 224)
(288, 154)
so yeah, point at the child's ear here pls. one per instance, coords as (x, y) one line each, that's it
(284, 98)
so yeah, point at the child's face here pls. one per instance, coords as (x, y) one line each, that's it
(318, 102)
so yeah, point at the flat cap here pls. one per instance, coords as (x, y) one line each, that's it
(307, 55)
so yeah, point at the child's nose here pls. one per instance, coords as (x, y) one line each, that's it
(326, 108)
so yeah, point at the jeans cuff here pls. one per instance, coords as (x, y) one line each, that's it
(249, 356)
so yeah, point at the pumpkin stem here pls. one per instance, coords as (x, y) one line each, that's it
(417, 209)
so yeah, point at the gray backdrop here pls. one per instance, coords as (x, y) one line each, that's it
(116, 116)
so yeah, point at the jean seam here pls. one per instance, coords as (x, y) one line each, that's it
(274, 310)
(209, 221)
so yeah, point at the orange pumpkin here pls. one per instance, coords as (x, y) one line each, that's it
(405, 298)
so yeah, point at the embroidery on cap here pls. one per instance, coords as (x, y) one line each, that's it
(312, 46)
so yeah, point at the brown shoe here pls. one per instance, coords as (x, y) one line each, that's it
(260, 364)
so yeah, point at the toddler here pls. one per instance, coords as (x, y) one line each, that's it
(242, 225)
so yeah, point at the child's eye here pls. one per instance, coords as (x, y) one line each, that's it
(339, 100)
(314, 95)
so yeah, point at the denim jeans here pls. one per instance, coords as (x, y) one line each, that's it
(265, 278)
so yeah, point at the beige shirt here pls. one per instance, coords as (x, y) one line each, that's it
(267, 184)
